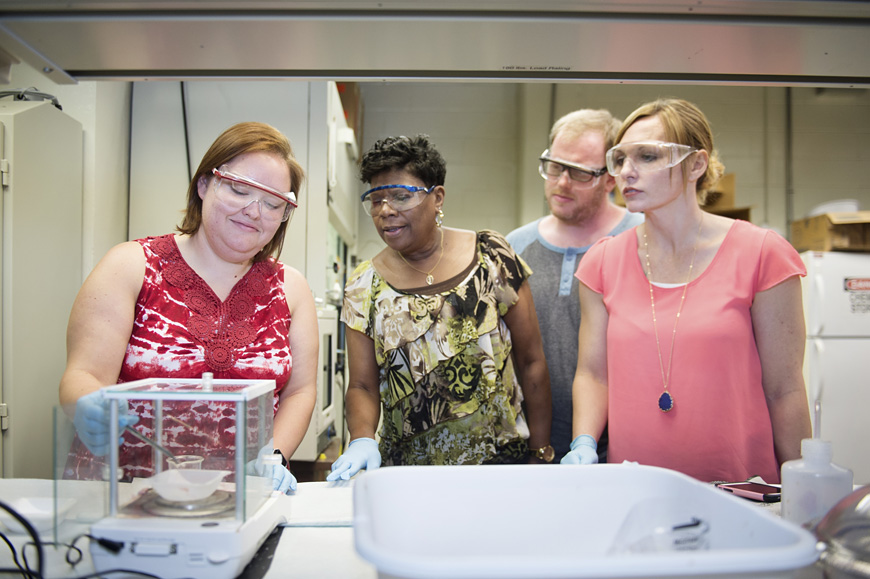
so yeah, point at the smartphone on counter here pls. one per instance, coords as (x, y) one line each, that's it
(755, 491)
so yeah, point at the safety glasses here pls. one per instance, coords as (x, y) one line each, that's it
(241, 191)
(399, 197)
(551, 169)
(646, 156)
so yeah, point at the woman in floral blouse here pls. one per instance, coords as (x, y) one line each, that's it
(441, 331)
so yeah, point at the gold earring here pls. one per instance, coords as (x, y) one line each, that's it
(439, 219)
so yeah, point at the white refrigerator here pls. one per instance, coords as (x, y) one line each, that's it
(836, 294)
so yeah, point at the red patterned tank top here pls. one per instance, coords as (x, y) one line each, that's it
(181, 329)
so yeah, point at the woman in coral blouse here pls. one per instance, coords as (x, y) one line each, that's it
(210, 299)
(692, 339)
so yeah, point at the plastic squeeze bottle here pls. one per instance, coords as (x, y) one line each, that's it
(813, 484)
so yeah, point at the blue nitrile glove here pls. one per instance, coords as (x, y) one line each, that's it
(92, 421)
(361, 453)
(282, 479)
(584, 450)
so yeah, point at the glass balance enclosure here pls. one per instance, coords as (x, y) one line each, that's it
(191, 452)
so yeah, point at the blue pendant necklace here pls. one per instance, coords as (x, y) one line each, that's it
(666, 399)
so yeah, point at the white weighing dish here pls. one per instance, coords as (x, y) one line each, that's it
(39, 512)
(536, 521)
(187, 485)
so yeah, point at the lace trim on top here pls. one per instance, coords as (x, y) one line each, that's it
(220, 327)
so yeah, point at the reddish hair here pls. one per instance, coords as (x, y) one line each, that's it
(237, 140)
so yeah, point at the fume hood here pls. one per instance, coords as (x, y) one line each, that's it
(773, 42)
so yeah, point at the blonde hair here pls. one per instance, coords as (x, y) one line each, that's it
(580, 121)
(684, 124)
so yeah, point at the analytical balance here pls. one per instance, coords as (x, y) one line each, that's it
(204, 522)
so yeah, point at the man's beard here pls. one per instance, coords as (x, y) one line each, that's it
(577, 213)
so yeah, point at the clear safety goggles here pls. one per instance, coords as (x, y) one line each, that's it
(242, 191)
(551, 169)
(399, 197)
(646, 156)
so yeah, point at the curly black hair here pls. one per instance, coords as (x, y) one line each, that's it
(415, 154)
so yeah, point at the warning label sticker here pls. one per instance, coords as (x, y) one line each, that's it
(858, 289)
(852, 284)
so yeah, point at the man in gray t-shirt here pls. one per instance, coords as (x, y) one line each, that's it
(577, 188)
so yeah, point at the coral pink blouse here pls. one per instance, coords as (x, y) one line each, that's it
(719, 428)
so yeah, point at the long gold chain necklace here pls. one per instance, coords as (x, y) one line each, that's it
(666, 399)
(430, 279)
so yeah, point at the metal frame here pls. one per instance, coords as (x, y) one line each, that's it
(766, 42)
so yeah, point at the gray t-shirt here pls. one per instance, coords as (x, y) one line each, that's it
(554, 289)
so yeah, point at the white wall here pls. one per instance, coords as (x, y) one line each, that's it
(831, 148)
(490, 134)
(474, 126)
(742, 124)
(535, 104)
(160, 175)
(830, 139)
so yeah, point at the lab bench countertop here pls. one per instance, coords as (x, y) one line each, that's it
(316, 541)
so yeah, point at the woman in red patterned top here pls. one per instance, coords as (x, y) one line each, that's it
(211, 298)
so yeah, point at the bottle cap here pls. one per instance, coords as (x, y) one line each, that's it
(816, 449)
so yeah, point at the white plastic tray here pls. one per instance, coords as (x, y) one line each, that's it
(39, 512)
(555, 521)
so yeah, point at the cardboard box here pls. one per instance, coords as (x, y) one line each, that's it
(832, 232)
(617, 197)
(720, 199)
(351, 102)
(723, 195)
(743, 213)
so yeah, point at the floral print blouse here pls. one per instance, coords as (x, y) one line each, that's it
(448, 387)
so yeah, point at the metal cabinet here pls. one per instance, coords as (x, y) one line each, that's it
(41, 163)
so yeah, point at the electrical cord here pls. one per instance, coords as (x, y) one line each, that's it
(14, 552)
(44, 544)
(34, 537)
(73, 556)
(23, 572)
(30, 94)
(23, 568)
(113, 571)
(72, 560)
(107, 544)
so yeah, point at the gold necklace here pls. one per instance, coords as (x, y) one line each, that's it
(666, 399)
(430, 279)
